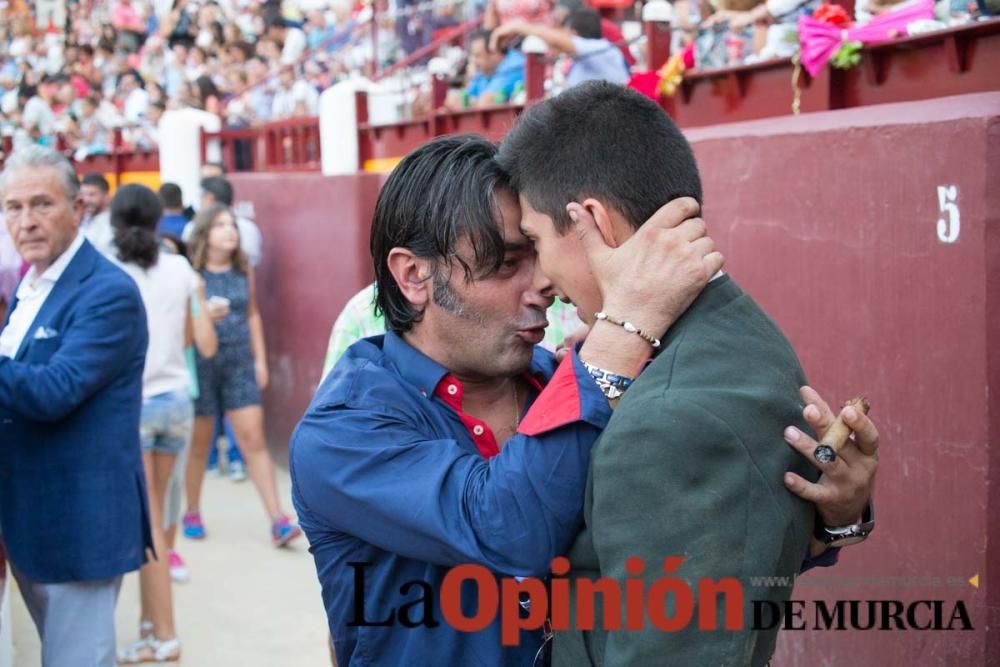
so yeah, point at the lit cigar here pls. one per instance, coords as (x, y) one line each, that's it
(838, 433)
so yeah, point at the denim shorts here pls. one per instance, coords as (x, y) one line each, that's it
(166, 422)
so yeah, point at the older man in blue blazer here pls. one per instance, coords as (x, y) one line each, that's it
(72, 494)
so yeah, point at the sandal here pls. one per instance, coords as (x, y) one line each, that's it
(145, 629)
(150, 650)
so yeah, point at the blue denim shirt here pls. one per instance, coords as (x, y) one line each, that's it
(508, 74)
(385, 472)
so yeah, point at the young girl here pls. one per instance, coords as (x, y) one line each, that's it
(231, 381)
(167, 284)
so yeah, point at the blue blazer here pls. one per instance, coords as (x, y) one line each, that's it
(72, 489)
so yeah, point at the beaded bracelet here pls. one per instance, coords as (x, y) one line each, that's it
(629, 327)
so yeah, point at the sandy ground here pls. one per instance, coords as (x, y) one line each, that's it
(247, 604)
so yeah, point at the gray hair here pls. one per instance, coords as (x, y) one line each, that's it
(35, 156)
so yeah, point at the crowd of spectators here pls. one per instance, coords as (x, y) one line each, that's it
(94, 77)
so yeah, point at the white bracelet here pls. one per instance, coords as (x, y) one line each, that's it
(631, 328)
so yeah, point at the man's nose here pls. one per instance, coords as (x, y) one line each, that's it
(542, 290)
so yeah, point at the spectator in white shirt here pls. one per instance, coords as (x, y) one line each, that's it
(135, 96)
(293, 41)
(96, 223)
(294, 97)
(38, 119)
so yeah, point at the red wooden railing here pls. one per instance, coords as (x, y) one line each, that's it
(285, 145)
(118, 161)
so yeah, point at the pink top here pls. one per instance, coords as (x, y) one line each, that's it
(124, 17)
(533, 11)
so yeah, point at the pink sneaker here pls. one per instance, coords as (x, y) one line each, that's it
(284, 531)
(194, 529)
(179, 572)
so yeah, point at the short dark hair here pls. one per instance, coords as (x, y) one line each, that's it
(441, 193)
(585, 22)
(96, 180)
(171, 196)
(600, 140)
(135, 212)
(220, 188)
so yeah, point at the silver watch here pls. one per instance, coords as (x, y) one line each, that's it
(843, 536)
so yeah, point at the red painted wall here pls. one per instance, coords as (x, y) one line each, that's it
(831, 221)
(315, 257)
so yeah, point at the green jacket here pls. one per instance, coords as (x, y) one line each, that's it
(691, 465)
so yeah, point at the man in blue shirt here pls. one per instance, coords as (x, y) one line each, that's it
(452, 439)
(594, 57)
(497, 73)
(173, 221)
(436, 444)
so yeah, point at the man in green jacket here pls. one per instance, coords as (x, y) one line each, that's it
(687, 476)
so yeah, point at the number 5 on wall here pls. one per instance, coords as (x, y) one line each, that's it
(948, 225)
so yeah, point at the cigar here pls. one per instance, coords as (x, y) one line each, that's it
(836, 436)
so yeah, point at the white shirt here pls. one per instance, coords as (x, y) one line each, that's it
(166, 288)
(38, 113)
(286, 100)
(295, 44)
(135, 105)
(31, 296)
(98, 231)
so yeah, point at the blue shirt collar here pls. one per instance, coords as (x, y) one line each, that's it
(413, 365)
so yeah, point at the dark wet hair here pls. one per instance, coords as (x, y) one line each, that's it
(599, 140)
(441, 193)
(135, 212)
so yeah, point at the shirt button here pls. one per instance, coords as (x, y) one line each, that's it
(478, 429)
(452, 389)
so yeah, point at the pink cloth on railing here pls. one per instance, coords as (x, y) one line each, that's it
(819, 40)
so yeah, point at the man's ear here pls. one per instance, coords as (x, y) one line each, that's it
(412, 274)
(602, 216)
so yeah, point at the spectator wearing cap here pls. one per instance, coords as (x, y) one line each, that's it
(594, 57)
(496, 72)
